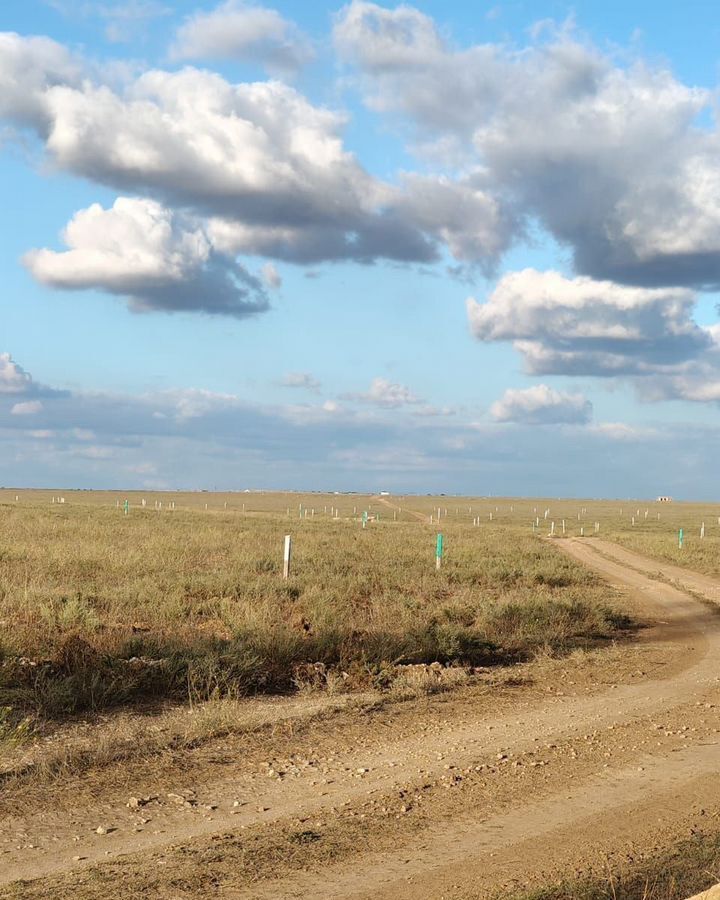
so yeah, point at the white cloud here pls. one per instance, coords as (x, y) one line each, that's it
(584, 327)
(13, 378)
(194, 403)
(462, 213)
(203, 439)
(155, 258)
(385, 40)
(29, 68)
(608, 157)
(542, 405)
(267, 166)
(27, 408)
(244, 32)
(387, 394)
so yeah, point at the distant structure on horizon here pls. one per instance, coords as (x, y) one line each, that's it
(664, 499)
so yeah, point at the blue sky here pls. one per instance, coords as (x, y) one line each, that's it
(461, 247)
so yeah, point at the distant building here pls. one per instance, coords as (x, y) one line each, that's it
(664, 499)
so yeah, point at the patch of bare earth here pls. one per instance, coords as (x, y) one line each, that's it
(527, 774)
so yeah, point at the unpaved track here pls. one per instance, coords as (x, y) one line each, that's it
(666, 767)
(421, 517)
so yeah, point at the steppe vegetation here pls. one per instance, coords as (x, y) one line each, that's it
(101, 609)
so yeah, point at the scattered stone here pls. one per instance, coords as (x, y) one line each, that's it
(138, 802)
(180, 800)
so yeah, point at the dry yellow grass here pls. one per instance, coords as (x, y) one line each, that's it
(100, 608)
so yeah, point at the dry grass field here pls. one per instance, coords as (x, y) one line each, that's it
(367, 703)
(100, 608)
(183, 598)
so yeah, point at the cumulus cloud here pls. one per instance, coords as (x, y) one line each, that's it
(29, 68)
(462, 214)
(581, 326)
(387, 40)
(387, 394)
(267, 166)
(609, 158)
(155, 258)
(13, 378)
(246, 33)
(542, 405)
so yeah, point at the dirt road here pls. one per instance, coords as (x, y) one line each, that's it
(554, 770)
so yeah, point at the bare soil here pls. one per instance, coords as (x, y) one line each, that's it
(555, 768)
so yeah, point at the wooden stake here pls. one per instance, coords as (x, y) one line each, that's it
(286, 556)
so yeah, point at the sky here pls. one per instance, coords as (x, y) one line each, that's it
(445, 247)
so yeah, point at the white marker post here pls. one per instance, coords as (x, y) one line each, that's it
(286, 556)
(702, 530)
(552, 528)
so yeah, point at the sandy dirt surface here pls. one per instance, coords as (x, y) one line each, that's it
(550, 770)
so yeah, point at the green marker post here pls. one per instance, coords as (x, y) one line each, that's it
(681, 537)
(126, 507)
(438, 551)
(364, 518)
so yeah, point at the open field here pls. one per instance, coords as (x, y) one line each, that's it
(537, 719)
(190, 604)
